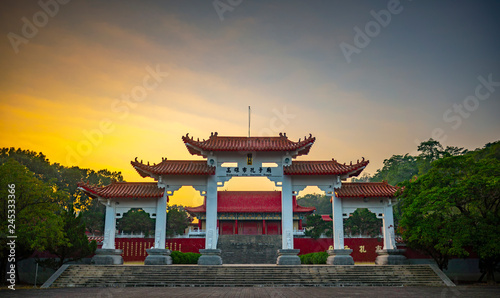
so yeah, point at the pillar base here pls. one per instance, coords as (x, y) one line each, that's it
(210, 257)
(158, 256)
(288, 257)
(340, 257)
(391, 257)
(107, 256)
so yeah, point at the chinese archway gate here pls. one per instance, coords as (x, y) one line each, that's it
(275, 158)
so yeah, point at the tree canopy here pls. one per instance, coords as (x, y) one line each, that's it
(36, 222)
(316, 226)
(177, 220)
(321, 202)
(45, 198)
(399, 168)
(136, 221)
(455, 205)
(363, 222)
(77, 245)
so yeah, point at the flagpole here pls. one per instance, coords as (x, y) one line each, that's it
(248, 121)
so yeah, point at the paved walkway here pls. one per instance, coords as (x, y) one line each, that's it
(406, 292)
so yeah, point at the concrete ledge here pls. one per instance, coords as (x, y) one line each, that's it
(339, 257)
(54, 276)
(210, 257)
(443, 276)
(391, 257)
(158, 256)
(107, 257)
(288, 257)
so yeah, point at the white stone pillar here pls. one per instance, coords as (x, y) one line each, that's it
(287, 212)
(109, 226)
(211, 221)
(338, 223)
(161, 221)
(388, 226)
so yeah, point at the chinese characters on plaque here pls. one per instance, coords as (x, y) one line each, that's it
(248, 171)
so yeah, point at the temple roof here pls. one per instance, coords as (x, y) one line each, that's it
(366, 190)
(174, 167)
(326, 217)
(123, 190)
(249, 202)
(329, 167)
(221, 143)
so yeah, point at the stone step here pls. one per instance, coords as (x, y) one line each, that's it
(246, 276)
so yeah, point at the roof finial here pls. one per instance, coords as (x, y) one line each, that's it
(198, 139)
(363, 159)
(216, 134)
(284, 134)
(351, 163)
(357, 161)
(299, 140)
(212, 134)
(136, 159)
(141, 160)
(187, 135)
(281, 134)
(148, 162)
(310, 135)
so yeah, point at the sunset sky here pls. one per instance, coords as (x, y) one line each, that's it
(95, 84)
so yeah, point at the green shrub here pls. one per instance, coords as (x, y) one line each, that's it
(184, 257)
(314, 258)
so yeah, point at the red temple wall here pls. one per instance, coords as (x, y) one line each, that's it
(134, 249)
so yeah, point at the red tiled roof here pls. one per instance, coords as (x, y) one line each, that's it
(174, 167)
(123, 190)
(217, 143)
(330, 167)
(249, 202)
(326, 217)
(366, 190)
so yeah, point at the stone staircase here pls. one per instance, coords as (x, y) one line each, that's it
(247, 276)
(249, 249)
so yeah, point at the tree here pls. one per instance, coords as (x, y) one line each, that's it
(396, 169)
(66, 179)
(454, 206)
(77, 246)
(320, 202)
(362, 222)
(36, 223)
(93, 220)
(136, 221)
(316, 226)
(177, 220)
(365, 177)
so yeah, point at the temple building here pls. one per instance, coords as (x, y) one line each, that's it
(250, 213)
